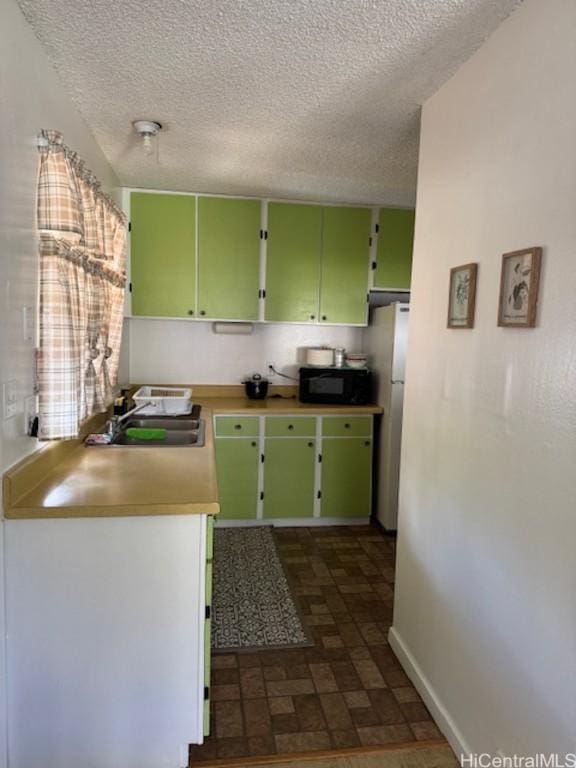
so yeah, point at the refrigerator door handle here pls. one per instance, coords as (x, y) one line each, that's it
(399, 381)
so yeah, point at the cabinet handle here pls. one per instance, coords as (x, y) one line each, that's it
(310, 445)
(367, 442)
(290, 426)
(346, 426)
(237, 426)
(312, 317)
(190, 311)
(254, 444)
(202, 312)
(324, 317)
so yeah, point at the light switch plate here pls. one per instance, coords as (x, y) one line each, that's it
(28, 323)
(10, 398)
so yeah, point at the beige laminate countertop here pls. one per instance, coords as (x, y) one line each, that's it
(279, 405)
(72, 480)
(116, 481)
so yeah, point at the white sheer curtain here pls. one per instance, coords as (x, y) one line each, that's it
(82, 281)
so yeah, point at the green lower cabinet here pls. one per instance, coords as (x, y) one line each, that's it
(207, 647)
(209, 538)
(208, 590)
(208, 620)
(346, 477)
(394, 254)
(289, 477)
(290, 452)
(237, 426)
(237, 467)
(207, 718)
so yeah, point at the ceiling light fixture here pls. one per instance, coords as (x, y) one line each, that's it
(147, 130)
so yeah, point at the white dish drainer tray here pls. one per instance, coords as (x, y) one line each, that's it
(164, 401)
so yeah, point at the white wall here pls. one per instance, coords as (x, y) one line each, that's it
(486, 583)
(31, 98)
(182, 352)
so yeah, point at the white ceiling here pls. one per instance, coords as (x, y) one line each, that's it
(313, 99)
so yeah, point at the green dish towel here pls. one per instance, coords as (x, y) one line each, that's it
(143, 433)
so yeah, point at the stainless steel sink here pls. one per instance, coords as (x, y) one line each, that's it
(184, 433)
(175, 425)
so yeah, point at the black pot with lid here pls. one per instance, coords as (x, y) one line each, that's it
(256, 387)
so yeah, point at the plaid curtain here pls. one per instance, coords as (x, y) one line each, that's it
(82, 280)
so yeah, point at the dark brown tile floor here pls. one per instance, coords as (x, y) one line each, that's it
(349, 689)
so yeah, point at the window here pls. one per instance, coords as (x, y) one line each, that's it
(82, 282)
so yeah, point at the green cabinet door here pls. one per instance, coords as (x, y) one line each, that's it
(228, 258)
(345, 265)
(163, 254)
(207, 619)
(394, 255)
(208, 645)
(289, 477)
(346, 477)
(237, 468)
(293, 262)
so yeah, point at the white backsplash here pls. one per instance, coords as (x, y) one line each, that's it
(182, 352)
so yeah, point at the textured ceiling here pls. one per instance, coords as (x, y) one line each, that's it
(314, 99)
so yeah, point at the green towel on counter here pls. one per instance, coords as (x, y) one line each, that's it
(143, 433)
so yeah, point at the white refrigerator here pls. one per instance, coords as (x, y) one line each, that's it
(385, 342)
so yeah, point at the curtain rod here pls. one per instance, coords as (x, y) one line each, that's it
(43, 141)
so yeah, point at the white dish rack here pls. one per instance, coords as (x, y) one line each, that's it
(164, 401)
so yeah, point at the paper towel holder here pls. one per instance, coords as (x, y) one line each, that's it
(234, 329)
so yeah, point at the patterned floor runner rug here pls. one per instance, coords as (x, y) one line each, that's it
(252, 606)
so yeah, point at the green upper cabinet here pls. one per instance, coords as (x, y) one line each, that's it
(163, 254)
(199, 257)
(345, 265)
(228, 258)
(395, 241)
(317, 264)
(293, 262)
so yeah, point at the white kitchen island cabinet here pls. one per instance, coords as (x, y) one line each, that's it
(106, 640)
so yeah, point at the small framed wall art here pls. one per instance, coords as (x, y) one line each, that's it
(519, 284)
(462, 296)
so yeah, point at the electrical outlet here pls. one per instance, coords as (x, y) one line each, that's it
(270, 369)
(28, 324)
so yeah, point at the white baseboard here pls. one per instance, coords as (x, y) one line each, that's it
(292, 522)
(442, 717)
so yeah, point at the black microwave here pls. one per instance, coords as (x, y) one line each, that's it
(335, 386)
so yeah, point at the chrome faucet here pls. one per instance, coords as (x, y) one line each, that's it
(114, 422)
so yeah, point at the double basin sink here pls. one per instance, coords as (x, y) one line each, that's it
(183, 433)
